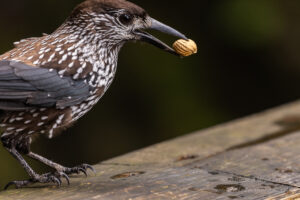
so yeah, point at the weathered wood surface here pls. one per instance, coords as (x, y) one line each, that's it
(252, 158)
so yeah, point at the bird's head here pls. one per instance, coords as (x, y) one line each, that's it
(117, 21)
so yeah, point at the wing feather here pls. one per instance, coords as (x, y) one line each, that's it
(23, 87)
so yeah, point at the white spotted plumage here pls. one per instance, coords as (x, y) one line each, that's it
(72, 51)
(59, 77)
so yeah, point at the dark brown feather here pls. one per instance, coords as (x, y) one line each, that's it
(103, 6)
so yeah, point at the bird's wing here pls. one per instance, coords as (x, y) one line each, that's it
(23, 87)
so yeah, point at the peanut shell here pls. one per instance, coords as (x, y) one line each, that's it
(185, 47)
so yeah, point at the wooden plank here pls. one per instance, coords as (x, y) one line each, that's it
(252, 158)
(157, 182)
(290, 195)
(267, 125)
(275, 161)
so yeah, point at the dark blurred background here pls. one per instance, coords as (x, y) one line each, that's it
(248, 61)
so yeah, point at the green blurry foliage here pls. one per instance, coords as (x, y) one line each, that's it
(250, 23)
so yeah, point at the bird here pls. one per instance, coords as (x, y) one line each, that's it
(47, 83)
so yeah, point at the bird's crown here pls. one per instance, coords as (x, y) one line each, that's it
(107, 6)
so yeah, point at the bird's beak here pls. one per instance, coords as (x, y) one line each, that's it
(156, 25)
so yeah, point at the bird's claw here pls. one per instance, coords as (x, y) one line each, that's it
(53, 177)
(56, 177)
(62, 174)
(80, 168)
(45, 178)
(18, 184)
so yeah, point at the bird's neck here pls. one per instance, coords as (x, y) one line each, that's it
(90, 49)
(85, 34)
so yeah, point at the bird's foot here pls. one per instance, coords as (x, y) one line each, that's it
(80, 168)
(53, 177)
(45, 178)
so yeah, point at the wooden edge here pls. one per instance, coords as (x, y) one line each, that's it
(251, 130)
(290, 195)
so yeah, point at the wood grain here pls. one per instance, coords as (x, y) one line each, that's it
(252, 158)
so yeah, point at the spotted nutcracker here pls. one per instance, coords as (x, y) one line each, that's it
(49, 82)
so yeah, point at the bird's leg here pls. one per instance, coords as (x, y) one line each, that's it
(59, 168)
(9, 144)
(25, 165)
(34, 177)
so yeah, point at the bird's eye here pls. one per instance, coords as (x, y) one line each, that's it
(126, 19)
